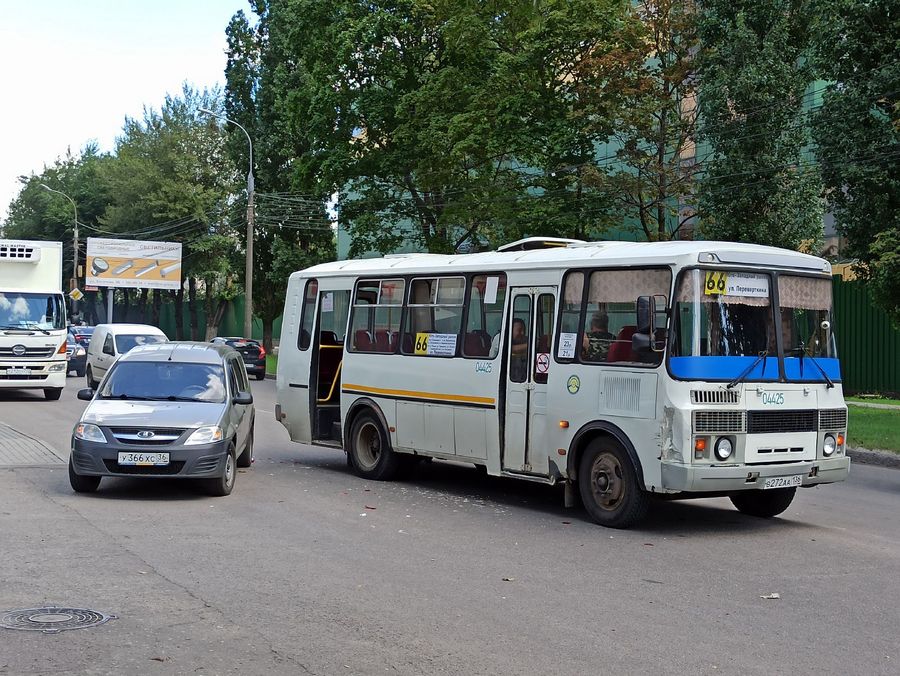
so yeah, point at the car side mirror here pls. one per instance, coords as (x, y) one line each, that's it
(108, 351)
(243, 399)
(85, 394)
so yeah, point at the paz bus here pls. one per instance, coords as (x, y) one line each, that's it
(622, 370)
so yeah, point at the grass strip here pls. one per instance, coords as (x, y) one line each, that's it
(874, 428)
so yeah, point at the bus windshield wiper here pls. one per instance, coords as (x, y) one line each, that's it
(761, 358)
(804, 352)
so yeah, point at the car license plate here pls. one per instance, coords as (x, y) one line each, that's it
(144, 459)
(18, 372)
(783, 481)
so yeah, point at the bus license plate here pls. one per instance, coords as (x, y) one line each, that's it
(18, 372)
(144, 459)
(783, 481)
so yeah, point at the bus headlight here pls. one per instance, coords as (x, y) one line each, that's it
(724, 448)
(828, 445)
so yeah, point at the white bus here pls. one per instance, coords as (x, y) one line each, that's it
(625, 370)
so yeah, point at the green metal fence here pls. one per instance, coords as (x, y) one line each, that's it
(868, 346)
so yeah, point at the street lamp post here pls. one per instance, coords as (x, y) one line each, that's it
(75, 268)
(248, 271)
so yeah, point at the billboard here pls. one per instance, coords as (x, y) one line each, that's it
(135, 264)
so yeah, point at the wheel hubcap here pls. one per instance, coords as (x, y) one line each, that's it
(607, 483)
(229, 469)
(368, 446)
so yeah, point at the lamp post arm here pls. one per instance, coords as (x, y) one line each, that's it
(250, 182)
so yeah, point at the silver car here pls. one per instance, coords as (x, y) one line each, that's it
(179, 410)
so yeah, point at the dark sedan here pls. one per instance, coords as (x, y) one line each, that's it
(76, 355)
(252, 352)
(81, 334)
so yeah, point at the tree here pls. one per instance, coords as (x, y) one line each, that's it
(858, 135)
(41, 215)
(442, 124)
(649, 163)
(290, 234)
(172, 181)
(759, 184)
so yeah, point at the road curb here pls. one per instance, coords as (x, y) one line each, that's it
(866, 456)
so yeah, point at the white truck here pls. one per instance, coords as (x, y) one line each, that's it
(32, 317)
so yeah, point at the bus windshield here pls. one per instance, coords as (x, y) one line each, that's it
(724, 321)
(21, 310)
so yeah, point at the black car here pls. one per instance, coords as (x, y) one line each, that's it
(76, 355)
(252, 352)
(81, 334)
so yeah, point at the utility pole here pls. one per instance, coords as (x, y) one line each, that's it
(75, 258)
(251, 218)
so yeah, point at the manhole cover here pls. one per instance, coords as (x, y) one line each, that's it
(52, 620)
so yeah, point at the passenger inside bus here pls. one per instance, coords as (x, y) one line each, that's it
(518, 367)
(596, 342)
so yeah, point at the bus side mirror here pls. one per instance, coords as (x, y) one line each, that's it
(645, 315)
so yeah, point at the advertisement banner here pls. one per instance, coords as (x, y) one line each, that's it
(135, 264)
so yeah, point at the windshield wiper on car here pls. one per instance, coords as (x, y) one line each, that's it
(804, 352)
(138, 397)
(761, 358)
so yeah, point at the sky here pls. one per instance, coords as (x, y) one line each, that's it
(72, 70)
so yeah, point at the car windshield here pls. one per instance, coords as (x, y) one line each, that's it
(127, 342)
(19, 310)
(162, 381)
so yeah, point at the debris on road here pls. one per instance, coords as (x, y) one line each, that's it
(773, 595)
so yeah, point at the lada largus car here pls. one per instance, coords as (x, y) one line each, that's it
(181, 410)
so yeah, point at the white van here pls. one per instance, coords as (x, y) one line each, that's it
(110, 341)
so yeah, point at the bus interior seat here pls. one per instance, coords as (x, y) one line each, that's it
(383, 341)
(407, 343)
(621, 350)
(363, 341)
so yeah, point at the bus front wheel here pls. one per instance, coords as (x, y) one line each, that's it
(609, 486)
(764, 504)
(371, 454)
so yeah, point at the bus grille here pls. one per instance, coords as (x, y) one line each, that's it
(708, 422)
(30, 352)
(714, 397)
(834, 419)
(770, 422)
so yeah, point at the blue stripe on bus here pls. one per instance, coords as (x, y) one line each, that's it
(722, 368)
(729, 368)
(831, 366)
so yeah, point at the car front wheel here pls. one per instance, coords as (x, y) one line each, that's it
(82, 484)
(223, 485)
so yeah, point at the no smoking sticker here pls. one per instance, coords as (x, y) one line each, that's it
(543, 362)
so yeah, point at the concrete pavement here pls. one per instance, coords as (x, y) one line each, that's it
(307, 569)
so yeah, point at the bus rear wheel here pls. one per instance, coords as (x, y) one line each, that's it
(370, 453)
(764, 504)
(609, 485)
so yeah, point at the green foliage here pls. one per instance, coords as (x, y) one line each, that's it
(647, 164)
(448, 117)
(858, 135)
(757, 187)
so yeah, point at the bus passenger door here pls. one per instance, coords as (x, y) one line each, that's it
(530, 333)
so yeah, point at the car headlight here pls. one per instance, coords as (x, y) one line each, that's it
(828, 445)
(205, 435)
(723, 448)
(56, 367)
(88, 432)
(79, 351)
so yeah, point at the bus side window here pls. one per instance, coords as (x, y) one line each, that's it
(307, 314)
(484, 316)
(435, 308)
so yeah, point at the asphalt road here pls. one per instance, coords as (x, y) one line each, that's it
(307, 569)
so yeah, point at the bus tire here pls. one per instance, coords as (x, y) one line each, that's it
(370, 449)
(609, 485)
(52, 393)
(764, 504)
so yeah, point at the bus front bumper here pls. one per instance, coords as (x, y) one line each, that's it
(718, 478)
(31, 375)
